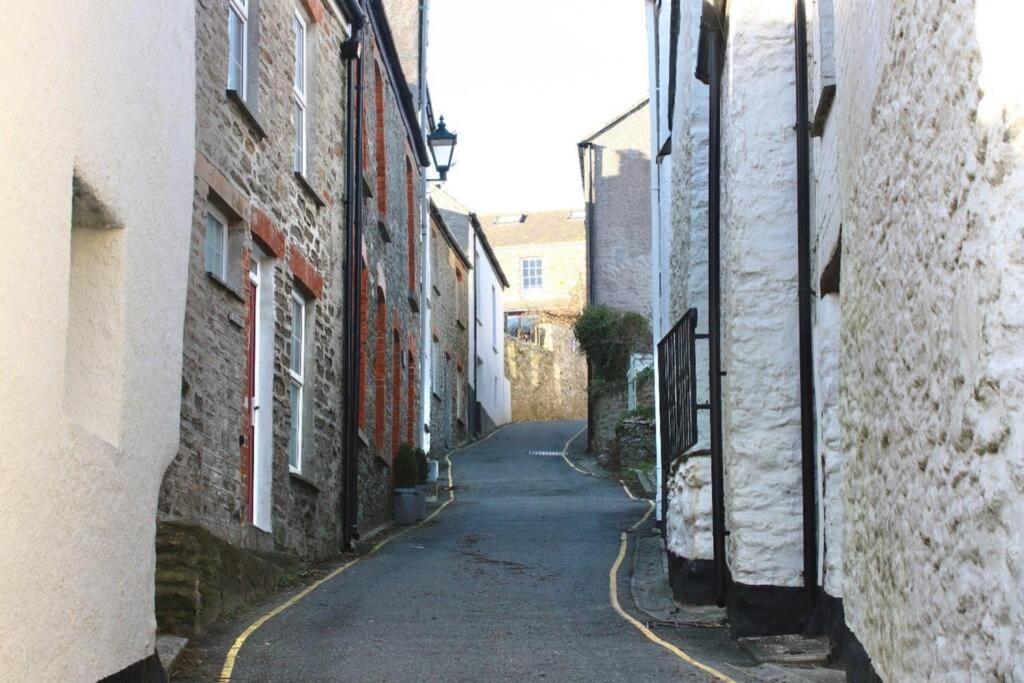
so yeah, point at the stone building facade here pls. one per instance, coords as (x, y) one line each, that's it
(545, 254)
(489, 387)
(451, 273)
(615, 169)
(259, 476)
(97, 166)
(912, 266)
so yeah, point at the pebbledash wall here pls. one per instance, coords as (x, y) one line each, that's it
(451, 273)
(278, 486)
(97, 170)
(930, 112)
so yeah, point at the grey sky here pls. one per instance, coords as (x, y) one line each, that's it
(522, 82)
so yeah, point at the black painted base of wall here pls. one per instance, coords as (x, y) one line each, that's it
(148, 670)
(766, 610)
(829, 619)
(692, 581)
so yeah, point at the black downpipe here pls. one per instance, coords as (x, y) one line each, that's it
(714, 57)
(807, 416)
(350, 52)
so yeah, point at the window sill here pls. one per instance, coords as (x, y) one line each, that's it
(305, 481)
(367, 188)
(248, 114)
(414, 302)
(224, 285)
(383, 458)
(495, 349)
(435, 394)
(385, 234)
(460, 323)
(363, 438)
(436, 290)
(821, 111)
(310, 190)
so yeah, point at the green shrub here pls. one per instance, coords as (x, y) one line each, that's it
(407, 471)
(608, 337)
(421, 463)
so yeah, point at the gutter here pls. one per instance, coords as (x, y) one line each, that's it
(807, 408)
(709, 70)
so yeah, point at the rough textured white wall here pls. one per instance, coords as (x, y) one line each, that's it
(761, 392)
(826, 222)
(931, 112)
(104, 90)
(689, 519)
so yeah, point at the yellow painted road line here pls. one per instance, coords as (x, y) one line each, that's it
(613, 578)
(229, 660)
(613, 591)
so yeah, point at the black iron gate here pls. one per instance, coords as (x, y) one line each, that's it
(677, 397)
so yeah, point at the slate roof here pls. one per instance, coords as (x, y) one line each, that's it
(540, 227)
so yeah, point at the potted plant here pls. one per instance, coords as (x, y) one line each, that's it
(421, 463)
(407, 477)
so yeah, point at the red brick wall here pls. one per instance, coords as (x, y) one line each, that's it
(411, 224)
(380, 372)
(396, 393)
(410, 418)
(380, 144)
(364, 335)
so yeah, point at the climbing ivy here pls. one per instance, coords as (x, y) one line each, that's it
(607, 337)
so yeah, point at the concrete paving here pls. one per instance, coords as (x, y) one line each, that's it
(509, 582)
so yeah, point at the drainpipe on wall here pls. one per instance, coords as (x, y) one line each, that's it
(709, 70)
(350, 54)
(807, 408)
(425, 312)
(652, 75)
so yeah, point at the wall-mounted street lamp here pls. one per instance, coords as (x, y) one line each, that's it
(442, 147)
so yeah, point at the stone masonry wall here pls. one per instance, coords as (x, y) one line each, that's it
(249, 177)
(550, 382)
(931, 112)
(761, 392)
(388, 248)
(450, 315)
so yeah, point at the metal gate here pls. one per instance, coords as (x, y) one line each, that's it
(677, 397)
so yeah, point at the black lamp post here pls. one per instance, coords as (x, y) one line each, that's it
(442, 146)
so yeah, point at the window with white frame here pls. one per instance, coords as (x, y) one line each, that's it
(238, 39)
(494, 317)
(216, 243)
(435, 367)
(299, 92)
(297, 370)
(533, 273)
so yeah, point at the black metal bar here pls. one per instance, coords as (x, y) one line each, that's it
(807, 416)
(711, 28)
(353, 275)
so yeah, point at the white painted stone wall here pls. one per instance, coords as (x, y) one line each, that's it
(689, 518)
(930, 110)
(826, 222)
(761, 392)
(493, 388)
(103, 90)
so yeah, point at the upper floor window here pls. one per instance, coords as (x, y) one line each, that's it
(299, 93)
(494, 317)
(238, 39)
(533, 273)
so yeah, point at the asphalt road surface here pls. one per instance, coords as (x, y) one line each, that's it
(510, 582)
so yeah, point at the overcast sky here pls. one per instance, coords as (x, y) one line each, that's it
(522, 82)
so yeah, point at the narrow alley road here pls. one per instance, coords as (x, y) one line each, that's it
(509, 582)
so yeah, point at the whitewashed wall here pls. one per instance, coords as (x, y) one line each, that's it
(761, 391)
(689, 519)
(92, 377)
(930, 110)
(490, 331)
